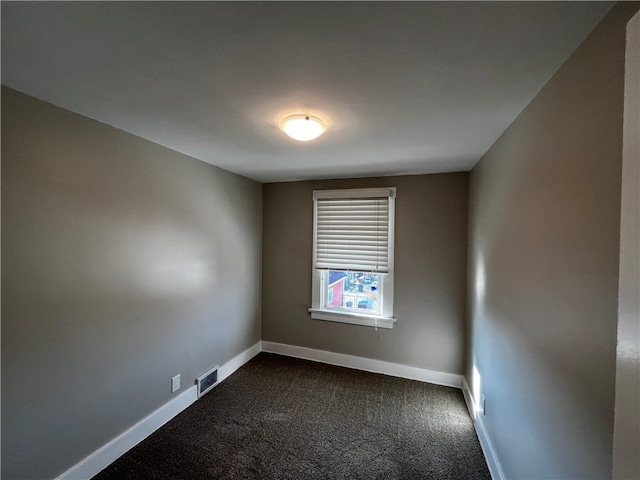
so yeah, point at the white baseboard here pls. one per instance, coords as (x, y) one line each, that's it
(468, 399)
(108, 453)
(239, 360)
(105, 455)
(366, 364)
(495, 468)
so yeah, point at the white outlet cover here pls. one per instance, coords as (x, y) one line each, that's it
(175, 383)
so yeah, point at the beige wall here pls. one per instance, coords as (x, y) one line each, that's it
(430, 269)
(544, 226)
(123, 264)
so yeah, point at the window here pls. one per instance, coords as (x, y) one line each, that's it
(353, 256)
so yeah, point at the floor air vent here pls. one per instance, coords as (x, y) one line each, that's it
(207, 381)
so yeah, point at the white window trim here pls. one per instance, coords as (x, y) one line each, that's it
(386, 319)
(353, 318)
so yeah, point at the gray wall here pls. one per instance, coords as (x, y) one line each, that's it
(123, 264)
(430, 266)
(544, 225)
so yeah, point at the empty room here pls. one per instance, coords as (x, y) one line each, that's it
(320, 240)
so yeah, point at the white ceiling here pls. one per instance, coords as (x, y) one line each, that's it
(409, 87)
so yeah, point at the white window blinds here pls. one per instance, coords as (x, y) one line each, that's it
(352, 229)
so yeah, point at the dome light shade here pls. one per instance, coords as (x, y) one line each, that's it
(303, 127)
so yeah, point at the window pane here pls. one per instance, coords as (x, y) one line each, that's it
(358, 291)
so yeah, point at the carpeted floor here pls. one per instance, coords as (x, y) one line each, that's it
(284, 418)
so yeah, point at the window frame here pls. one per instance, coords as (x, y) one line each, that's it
(318, 309)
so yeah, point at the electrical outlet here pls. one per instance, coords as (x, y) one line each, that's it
(175, 383)
(483, 405)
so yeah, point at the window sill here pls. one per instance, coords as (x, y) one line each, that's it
(352, 318)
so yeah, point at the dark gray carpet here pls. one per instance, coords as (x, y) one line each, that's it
(284, 418)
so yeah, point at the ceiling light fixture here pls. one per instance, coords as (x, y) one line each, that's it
(303, 127)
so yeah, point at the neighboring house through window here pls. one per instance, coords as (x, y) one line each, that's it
(353, 238)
